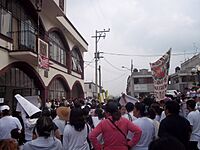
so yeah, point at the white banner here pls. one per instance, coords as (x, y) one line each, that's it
(127, 98)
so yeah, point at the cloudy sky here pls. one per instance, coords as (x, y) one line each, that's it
(142, 30)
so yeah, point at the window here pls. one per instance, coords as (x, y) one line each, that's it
(57, 51)
(76, 61)
(5, 23)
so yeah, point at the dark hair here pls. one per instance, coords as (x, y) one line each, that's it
(113, 108)
(166, 143)
(191, 104)
(77, 119)
(151, 113)
(129, 106)
(44, 126)
(156, 107)
(172, 106)
(5, 112)
(99, 113)
(141, 107)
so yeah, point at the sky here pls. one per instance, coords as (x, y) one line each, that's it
(141, 30)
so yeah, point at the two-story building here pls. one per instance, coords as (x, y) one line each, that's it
(41, 52)
(140, 83)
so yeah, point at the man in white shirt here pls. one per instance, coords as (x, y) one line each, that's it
(7, 123)
(145, 124)
(194, 119)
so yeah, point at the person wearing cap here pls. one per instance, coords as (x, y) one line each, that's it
(114, 130)
(7, 123)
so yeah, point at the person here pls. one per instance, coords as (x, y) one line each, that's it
(129, 108)
(145, 124)
(166, 143)
(194, 119)
(174, 124)
(114, 130)
(8, 123)
(8, 144)
(98, 116)
(76, 132)
(45, 139)
(61, 119)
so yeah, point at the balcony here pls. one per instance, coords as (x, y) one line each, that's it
(24, 46)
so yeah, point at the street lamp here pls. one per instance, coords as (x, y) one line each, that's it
(127, 68)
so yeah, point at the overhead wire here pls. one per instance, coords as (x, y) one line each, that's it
(89, 63)
(112, 65)
(116, 78)
(150, 55)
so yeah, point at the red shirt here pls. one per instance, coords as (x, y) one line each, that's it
(112, 137)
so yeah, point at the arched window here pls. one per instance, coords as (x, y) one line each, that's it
(57, 90)
(57, 50)
(77, 62)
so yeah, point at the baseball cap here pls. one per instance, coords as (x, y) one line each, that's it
(4, 107)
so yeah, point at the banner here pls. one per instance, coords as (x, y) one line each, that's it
(127, 98)
(160, 70)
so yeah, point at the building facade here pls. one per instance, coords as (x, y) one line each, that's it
(90, 90)
(41, 52)
(140, 83)
(185, 77)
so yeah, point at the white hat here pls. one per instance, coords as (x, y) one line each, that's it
(4, 107)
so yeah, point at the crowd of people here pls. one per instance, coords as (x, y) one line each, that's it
(172, 123)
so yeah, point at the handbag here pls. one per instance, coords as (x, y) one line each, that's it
(120, 132)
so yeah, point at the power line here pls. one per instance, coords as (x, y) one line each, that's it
(89, 63)
(116, 78)
(152, 55)
(112, 65)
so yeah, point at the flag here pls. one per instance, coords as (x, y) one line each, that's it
(43, 62)
(160, 70)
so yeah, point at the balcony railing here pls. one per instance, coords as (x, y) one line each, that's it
(24, 41)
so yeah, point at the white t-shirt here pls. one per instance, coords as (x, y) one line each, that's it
(194, 119)
(129, 116)
(7, 124)
(148, 133)
(60, 124)
(163, 116)
(73, 139)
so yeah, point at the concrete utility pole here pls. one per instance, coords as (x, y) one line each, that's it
(98, 36)
(100, 90)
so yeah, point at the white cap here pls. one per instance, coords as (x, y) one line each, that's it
(4, 107)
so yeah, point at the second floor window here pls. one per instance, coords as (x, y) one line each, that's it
(76, 61)
(5, 22)
(57, 50)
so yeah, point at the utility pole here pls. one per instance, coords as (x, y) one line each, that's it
(98, 36)
(100, 90)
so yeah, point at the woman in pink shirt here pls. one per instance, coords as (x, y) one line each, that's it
(113, 138)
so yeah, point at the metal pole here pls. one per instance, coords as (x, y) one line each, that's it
(96, 64)
(100, 79)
